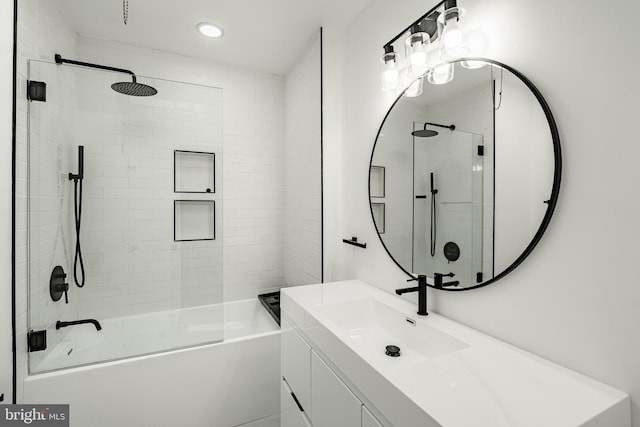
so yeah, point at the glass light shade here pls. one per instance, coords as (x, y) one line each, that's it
(440, 75)
(389, 72)
(472, 65)
(414, 89)
(452, 39)
(416, 49)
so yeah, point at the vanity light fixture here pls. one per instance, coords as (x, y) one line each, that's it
(430, 44)
(390, 69)
(210, 30)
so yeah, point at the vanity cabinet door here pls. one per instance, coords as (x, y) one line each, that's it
(334, 405)
(290, 413)
(296, 364)
(368, 420)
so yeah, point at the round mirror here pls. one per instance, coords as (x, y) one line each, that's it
(464, 176)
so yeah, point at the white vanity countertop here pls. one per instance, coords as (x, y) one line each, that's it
(473, 380)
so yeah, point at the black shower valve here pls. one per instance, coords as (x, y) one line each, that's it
(58, 285)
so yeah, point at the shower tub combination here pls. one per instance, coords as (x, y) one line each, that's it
(196, 362)
(223, 384)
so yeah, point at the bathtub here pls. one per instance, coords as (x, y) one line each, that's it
(222, 384)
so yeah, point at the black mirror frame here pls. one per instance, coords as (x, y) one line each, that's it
(555, 190)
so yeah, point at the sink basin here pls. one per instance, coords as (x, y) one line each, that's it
(368, 326)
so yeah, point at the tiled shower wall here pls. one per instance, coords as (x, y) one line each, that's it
(302, 234)
(133, 265)
(253, 175)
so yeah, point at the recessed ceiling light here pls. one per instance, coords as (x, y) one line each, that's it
(209, 30)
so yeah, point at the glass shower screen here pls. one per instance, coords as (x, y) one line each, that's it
(147, 200)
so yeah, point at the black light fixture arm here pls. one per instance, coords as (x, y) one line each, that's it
(447, 4)
(60, 60)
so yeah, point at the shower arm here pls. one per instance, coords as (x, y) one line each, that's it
(451, 127)
(60, 60)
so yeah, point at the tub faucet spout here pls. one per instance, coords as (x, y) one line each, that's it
(61, 324)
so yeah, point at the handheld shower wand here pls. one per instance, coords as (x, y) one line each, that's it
(77, 199)
(433, 217)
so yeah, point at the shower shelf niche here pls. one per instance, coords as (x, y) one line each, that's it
(194, 220)
(194, 172)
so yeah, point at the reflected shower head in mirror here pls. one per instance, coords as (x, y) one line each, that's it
(427, 133)
(132, 88)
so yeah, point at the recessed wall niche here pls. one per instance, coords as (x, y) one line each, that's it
(376, 181)
(194, 172)
(194, 220)
(378, 215)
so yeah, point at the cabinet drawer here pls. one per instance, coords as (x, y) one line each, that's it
(296, 364)
(290, 413)
(334, 405)
(368, 420)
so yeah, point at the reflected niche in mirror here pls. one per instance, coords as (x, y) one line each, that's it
(472, 173)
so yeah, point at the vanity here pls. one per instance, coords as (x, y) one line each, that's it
(336, 370)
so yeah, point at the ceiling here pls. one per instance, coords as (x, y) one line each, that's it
(264, 35)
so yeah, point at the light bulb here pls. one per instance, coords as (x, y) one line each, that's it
(418, 59)
(390, 77)
(440, 75)
(414, 89)
(452, 35)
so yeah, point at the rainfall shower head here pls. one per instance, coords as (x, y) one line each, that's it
(427, 133)
(132, 88)
(424, 133)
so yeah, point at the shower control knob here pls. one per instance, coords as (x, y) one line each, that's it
(57, 285)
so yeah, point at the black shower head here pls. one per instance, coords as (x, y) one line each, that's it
(134, 89)
(427, 133)
(424, 133)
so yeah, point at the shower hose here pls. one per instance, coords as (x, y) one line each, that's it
(77, 261)
(433, 218)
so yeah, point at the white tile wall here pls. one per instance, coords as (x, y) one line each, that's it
(302, 234)
(252, 162)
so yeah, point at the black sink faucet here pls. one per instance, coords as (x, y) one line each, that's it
(61, 324)
(422, 293)
(437, 280)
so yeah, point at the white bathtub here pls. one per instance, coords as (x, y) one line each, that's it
(219, 385)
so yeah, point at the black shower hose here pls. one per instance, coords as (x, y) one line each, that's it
(77, 199)
(433, 222)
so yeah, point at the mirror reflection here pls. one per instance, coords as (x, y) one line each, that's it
(461, 177)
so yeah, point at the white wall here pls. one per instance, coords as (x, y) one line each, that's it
(302, 216)
(6, 90)
(576, 299)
